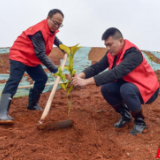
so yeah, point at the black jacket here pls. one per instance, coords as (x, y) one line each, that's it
(39, 48)
(132, 59)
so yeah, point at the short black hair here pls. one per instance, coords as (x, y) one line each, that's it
(114, 32)
(54, 11)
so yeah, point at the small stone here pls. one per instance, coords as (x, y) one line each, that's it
(128, 154)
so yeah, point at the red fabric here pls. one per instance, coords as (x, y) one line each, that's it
(142, 76)
(22, 49)
(158, 153)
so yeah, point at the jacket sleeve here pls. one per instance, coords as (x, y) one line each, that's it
(39, 48)
(132, 59)
(97, 67)
(57, 42)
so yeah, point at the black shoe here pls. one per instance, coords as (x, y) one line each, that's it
(139, 126)
(4, 107)
(33, 99)
(125, 116)
(122, 122)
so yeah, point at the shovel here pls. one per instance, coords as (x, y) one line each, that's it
(57, 125)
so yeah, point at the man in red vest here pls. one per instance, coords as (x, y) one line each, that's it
(29, 50)
(128, 82)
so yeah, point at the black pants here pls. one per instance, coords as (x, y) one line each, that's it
(17, 70)
(117, 92)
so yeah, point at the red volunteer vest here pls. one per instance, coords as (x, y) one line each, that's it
(22, 49)
(142, 76)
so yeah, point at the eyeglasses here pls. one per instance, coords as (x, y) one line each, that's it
(56, 23)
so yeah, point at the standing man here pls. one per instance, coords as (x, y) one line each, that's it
(129, 81)
(29, 50)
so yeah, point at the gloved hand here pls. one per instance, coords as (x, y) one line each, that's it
(56, 70)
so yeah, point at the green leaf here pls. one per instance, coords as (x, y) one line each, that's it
(70, 58)
(63, 86)
(67, 68)
(73, 72)
(150, 58)
(60, 70)
(71, 65)
(72, 49)
(65, 48)
(63, 77)
(76, 49)
(56, 74)
(70, 89)
(67, 84)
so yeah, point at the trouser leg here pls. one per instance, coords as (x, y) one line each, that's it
(111, 93)
(129, 93)
(133, 99)
(17, 70)
(39, 76)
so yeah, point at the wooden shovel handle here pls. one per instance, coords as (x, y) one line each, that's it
(48, 105)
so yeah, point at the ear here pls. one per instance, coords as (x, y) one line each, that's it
(121, 40)
(48, 18)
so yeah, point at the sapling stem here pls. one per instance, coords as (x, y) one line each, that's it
(70, 103)
(70, 52)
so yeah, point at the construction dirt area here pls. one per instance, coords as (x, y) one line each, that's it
(92, 136)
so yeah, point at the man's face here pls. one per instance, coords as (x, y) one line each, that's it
(55, 22)
(114, 46)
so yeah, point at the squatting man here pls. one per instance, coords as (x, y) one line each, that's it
(129, 81)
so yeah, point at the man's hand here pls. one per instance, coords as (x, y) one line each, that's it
(64, 52)
(75, 75)
(77, 81)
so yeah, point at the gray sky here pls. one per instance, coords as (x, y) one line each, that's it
(85, 20)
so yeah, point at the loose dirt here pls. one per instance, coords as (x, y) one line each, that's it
(92, 136)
